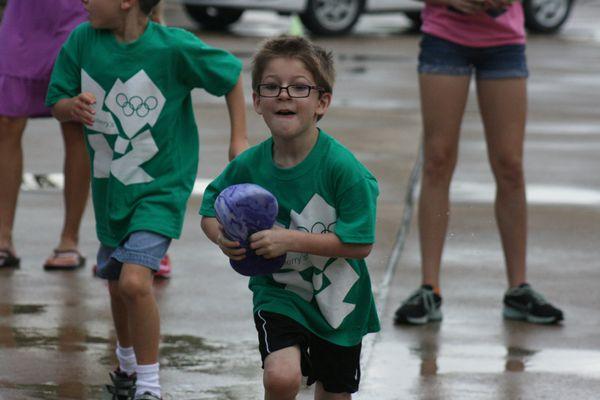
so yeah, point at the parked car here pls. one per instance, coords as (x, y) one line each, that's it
(337, 17)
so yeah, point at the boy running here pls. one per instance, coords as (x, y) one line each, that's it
(312, 314)
(128, 80)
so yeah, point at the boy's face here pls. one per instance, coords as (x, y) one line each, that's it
(104, 14)
(289, 117)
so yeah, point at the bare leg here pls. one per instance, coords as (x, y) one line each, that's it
(119, 314)
(321, 394)
(503, 105)
(282, 375)
(11, 175)
(77, 182)
(443, 100)
(135, 287)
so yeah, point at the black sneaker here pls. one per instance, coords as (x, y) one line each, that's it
(419, 308)
(123, 387)
(525, 304)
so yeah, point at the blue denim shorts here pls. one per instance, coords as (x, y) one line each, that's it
(442, 57)
(141, 248)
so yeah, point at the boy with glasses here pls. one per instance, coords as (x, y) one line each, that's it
(311, 315)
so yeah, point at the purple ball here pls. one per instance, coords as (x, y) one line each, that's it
(245, 209)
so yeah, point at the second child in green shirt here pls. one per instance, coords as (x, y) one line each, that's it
(312, 314)
(128, 80)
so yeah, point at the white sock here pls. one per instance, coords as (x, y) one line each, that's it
(147, 379)
(126, 357)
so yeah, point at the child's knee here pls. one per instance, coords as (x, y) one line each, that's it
(132, 287)
(113, 289)
(282, 383)
(509, 172)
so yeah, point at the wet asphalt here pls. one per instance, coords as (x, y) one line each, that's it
(56, 340)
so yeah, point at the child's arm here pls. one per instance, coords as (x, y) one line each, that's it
(214, 231)
(78, 108)
(238, 141)
(277, 241)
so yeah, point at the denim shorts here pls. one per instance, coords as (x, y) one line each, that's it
(442, 57)
(141, 248)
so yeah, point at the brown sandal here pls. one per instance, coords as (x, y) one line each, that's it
(64, 260)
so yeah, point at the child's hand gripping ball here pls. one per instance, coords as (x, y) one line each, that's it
(243, 210)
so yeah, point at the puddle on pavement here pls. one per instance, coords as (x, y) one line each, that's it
(28, 309)
(536, 194)
(357, 70)
(53, 391)
(195, 354)
(64, 338)
(583, 34)
(563, 128)
(183, 352)
(483, 359)
(393, 58)
(238, 364)
(245, 391)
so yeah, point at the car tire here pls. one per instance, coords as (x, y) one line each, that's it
(213, 18)
(415, 19)
(331, 17)
(546, 16)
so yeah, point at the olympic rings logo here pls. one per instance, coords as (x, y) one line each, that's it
(318, 227)
(136, 105)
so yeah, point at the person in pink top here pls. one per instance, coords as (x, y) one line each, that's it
(485, 38)
(31, 40)
(31, 34)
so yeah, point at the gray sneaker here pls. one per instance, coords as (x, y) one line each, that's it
(525, 304)
(421, 307)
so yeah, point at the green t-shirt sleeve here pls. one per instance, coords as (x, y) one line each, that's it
(65, 81)
(207, 209)
(202, 66)
(357, 209)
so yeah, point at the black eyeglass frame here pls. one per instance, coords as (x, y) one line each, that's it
(286, 88)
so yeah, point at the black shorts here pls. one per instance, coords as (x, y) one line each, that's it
(336, 367)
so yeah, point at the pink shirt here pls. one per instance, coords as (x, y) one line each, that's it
(477, 30)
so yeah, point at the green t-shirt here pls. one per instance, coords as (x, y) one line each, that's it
(329, 191)
(144, 143)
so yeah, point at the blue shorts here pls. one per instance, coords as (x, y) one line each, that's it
(442, 57)
(141, 248)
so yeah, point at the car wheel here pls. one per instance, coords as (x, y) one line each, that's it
(214, 18)
(546, 16)
(331, 17)
(415, 18)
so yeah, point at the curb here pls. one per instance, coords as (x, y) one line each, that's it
(56, 182)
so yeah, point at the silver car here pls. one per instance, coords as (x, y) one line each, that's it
(336, 17)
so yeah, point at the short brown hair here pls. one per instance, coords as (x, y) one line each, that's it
(317, 60)
(147, 5)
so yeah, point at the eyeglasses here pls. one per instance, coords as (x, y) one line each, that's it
(294, 91)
